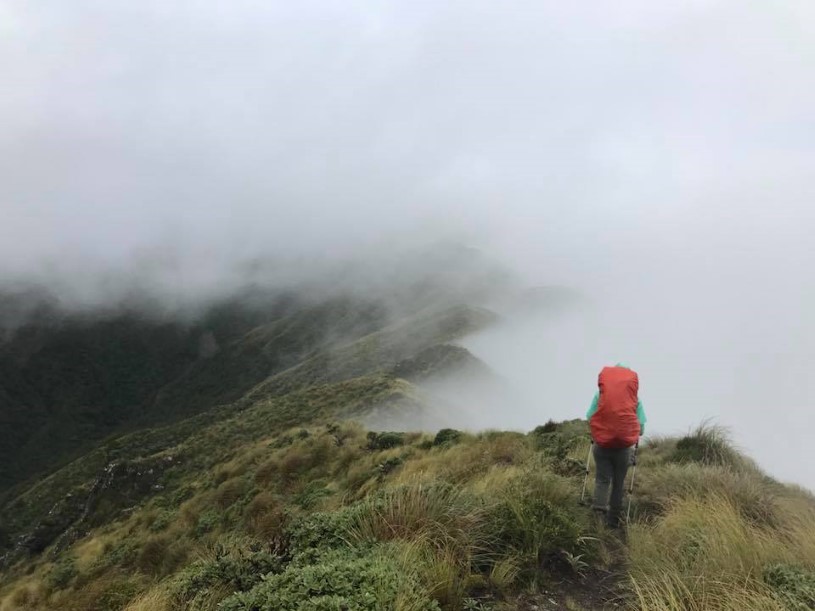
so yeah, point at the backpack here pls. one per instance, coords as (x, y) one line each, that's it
(615, 423)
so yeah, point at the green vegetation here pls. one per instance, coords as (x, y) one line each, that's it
(70, 381)
(280, 500)
(446, 436)
(793, 586)
(309, 516)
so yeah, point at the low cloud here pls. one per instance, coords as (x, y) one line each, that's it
(658, 159)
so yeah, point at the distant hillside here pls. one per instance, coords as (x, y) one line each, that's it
(71, 376)
(73, 380)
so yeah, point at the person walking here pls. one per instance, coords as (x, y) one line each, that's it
(617, 420)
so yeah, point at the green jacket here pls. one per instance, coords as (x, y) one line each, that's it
(640, 411)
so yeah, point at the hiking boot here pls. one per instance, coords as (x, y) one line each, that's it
(614, 521)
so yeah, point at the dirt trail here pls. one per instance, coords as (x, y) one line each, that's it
(595, 590)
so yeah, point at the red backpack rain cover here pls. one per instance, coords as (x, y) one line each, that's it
(615, 423)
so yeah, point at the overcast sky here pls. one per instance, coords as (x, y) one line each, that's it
(657, 155)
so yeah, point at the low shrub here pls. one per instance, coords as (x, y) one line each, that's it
(310, 536)
(207, 522)
(447, 436)
(384, 441)
(118, 554)
(793, 586)
(233, 567)
(555, 445)
(370, 583)
(311, 494)
(550, 427)
(61, 573)
(162, 520)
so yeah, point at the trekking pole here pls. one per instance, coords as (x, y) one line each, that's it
(586, 479)
(633, 475)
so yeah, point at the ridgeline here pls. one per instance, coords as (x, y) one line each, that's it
(222, 463)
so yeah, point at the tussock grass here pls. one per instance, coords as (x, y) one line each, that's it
(530, 523)
(442, 571)
(673, 592)
(656, 449)
(470, 458)
(660, 486)
(489, 515)
(155, 599)
(710, 445)
(265, 516)
(711, 523)
(106, 593)
(440, 514)
(28, 594)
(161, 555)
(703, 554)
(229, 492)
(797, 529)
(440, 529)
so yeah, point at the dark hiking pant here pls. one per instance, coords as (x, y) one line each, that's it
(611, 465)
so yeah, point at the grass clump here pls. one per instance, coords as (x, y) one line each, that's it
(265, 516)
(155, 599)
(661, 486)
(438, 530)
(161, 555)
(334, 517)
(529, 525)
(703, 554)
(708, 445)
(439, 513)
(228, 493)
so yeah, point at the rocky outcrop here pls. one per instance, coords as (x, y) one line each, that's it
(119, 488)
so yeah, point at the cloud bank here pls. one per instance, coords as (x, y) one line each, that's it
(656, 157)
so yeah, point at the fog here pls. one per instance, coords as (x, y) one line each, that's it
(656, 157)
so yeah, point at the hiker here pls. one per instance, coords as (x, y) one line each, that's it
(617, 420)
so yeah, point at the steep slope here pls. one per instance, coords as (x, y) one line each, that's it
(73, 380)
(34, 518)
(71, 377)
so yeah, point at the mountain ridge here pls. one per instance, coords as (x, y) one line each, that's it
(269, 493)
